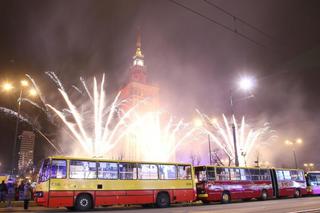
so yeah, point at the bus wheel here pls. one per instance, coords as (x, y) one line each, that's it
(264, 195)
(225, 198)
(297, 193)
(83, 202)
(163, 200)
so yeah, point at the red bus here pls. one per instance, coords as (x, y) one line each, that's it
(289, 182)
(232, 183)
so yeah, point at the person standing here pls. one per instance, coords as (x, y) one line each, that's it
(27, 192)
(21, 190)
(3, 191)
(11, 192)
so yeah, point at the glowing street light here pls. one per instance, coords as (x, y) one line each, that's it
(298, 141)
(33, 92)
(24, 83)
(246, 83)
(7, 86)
(308, 166)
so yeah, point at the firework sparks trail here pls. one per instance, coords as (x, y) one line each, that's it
(39, 94)
(248, 138)
(92, 128)
(55, 79)
(101, 139)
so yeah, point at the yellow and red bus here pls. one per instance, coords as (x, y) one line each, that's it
(86, 183)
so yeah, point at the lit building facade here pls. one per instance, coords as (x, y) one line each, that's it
(26, 151)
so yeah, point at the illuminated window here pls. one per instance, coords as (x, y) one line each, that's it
(44, 171)
(245, 174)
(107, 170)
(58, 169)
(184, 172)
(83, 169)
(128, 171)
(168, 172)
(148, 171)
(223, 173)
(138, 62)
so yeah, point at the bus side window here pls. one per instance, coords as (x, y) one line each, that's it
(58, 169)
(167, 172)
(83, 169)
(223, 173)
(265, 174)
(245, 174)
(107, 170)
(211, 173)
(234, 174)
(184, 172)
(255, 174)
(128, 171)
(147, 171)
(294, 175)
(280, 175)
(300, 175)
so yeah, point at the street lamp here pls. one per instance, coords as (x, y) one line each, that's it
(32, 92)
(246, 83)
(308, 166)
(298, 141)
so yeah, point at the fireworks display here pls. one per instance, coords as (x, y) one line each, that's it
(248, 139)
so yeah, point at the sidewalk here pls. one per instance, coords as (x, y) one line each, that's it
(16, 204)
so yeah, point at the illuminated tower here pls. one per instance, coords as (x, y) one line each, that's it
(138, 89)
(140, 94)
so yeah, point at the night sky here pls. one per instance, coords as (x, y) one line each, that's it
(194, 52)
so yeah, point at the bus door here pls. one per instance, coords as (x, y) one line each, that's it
(275, 186)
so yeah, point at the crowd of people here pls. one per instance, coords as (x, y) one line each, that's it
(12, 191)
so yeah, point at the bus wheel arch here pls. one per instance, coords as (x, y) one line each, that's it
(264, 194)
(225, 197)
(163, 199)
(83, 202)
(297, 193)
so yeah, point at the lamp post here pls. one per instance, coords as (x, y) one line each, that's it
(298, 141)
(245, 84)
(9, 87)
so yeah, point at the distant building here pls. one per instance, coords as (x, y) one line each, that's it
(26, 151)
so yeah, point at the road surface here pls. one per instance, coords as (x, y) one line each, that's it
(308, 204)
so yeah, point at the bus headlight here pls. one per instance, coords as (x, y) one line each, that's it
(38, 194)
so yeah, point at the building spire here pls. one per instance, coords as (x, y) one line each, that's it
(138, 53)
(138, 56)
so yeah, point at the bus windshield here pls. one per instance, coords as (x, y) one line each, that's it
(314, 179)
(44, 173)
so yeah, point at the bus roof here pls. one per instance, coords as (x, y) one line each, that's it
(242, 167)
(105, 159)
(313, 172)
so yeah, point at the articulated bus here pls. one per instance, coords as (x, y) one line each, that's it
(231, 183)
(85, 183)
(313, 182)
